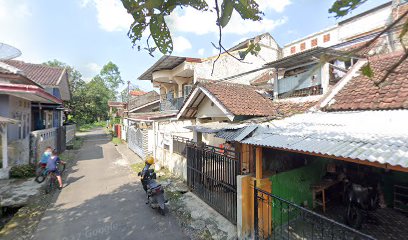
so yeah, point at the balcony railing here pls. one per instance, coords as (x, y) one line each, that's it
(139, 101)
(171, 104)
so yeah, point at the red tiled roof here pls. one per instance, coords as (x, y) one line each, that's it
(137, 93)
(41, 74)
(363, 93)
(244, 100)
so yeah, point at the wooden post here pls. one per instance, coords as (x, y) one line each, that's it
(258, 163)
(4, 145)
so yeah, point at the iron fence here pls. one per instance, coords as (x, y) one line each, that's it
(179, 145)
(278, 218)
(212, 176)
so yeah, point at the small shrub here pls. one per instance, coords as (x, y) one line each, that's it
(22, 171)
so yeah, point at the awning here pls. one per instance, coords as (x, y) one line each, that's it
(373, 136)
(29, 92)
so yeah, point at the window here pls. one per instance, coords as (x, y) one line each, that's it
(326, 37)
(313, 43)
(187, 90)
(293, 49)
(302, 46)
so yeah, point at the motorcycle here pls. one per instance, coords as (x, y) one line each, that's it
(154, 191)
(360, 201)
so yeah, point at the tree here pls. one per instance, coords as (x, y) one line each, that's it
(150, 15)
(89, 101)
(111, 75)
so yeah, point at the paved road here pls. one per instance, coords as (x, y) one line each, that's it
(102, 200)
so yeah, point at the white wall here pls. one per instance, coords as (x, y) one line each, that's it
(228, 66)
(207, 110)
(343, 32)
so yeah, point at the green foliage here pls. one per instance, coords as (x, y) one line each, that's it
(23, 171)
(88, 126)
(152, 13)
(116, 141)
(110, 74)
(367, 71)
(343, 7)
(227, 7)
(89, 101)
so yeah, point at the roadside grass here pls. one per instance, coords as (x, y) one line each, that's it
(88, 126)
(116, 141)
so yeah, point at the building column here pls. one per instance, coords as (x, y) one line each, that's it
(4, 145)
(258, 163)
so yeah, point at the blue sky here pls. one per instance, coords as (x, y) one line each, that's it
(88, 33)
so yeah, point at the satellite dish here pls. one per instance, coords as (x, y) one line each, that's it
(8, 52)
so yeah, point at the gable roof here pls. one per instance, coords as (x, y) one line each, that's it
(363, 93)
(166, 62)
(41, 74)
(239, 100)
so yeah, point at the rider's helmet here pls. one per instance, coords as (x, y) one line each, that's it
(149, 160)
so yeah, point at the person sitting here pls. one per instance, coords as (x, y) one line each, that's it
(44, 158)
(52, 163)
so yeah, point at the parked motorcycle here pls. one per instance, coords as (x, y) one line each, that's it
(360, 201)
(154, 191)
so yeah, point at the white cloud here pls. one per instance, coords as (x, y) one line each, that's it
(181, 44)
(190, 20)
(201, 51)
(93, 67)
(276, 5)
(111, 14)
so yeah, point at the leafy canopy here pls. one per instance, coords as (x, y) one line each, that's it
(150, 14)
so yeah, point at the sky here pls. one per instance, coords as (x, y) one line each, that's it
(87, 34)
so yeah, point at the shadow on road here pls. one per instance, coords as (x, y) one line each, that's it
(120, 214)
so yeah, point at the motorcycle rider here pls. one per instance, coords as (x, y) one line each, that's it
(148, 162)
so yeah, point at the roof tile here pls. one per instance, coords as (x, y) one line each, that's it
(363, 93)
(41, 74)
(244, 100)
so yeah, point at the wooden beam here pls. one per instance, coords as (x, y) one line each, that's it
(258, 163)
(362, 162)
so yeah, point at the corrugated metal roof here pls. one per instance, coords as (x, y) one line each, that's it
(375, 136)
(236, 134)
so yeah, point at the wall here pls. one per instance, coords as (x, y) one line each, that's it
(20, 109)
(294, 185)
(208, 109)
(342, 32)
(228, 66)
(18, 151)
(40, 140)
(163, 134)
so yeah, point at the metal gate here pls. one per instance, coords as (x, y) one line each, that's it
(212, 176)
(278, 218)
(135, 141)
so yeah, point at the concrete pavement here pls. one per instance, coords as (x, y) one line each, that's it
(102, 200)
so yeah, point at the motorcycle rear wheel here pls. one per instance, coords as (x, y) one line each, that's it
(354, 217)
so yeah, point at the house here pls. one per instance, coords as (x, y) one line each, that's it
(20, 99)
(176, 77)
(137, 127)
(54, 80)
(361, 136)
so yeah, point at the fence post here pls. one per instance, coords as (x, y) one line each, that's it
(256, 229)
